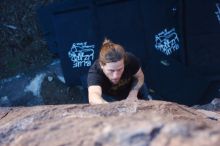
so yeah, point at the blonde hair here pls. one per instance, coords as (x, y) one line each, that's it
(110, 52)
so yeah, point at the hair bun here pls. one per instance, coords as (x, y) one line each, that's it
(106, 41)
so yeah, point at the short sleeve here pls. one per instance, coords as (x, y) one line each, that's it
(95, 76)
(133, 63)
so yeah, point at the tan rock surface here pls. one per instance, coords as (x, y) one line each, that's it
(140, 123)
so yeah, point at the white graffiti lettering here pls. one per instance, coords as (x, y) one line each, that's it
(218, 11)
(81, 54)
(167, 41)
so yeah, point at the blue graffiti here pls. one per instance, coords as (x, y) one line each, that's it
(167, 41)
(218, 11)
(81, 54)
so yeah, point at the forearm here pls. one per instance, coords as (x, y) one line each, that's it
(136, 85)
(95, 95)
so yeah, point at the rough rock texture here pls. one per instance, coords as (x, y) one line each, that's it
(138, 123)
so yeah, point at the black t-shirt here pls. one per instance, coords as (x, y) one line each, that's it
(120, 90)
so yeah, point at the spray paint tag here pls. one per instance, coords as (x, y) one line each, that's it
(218, 11)
(81, 54)
(167, 41)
